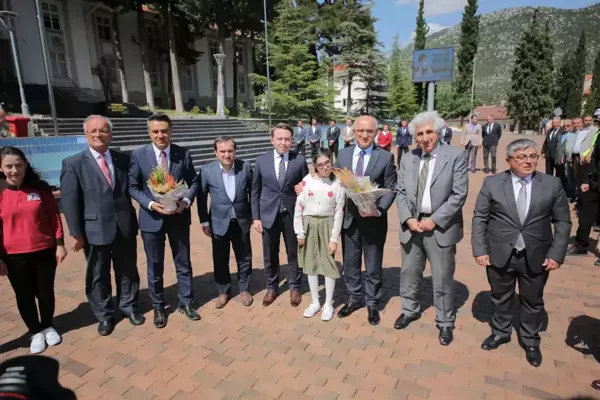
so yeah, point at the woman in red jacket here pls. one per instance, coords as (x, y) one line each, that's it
(384, 140)
(32, 244)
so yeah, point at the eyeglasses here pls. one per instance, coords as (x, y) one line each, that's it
(325, 164)
(524, 157)
(368, 131)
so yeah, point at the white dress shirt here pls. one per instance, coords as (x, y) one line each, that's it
(490, 127)
(517, 188)
(111, 167)
(167, 151)
(426, 200)
(579, 141)
(366, 157)
(277, 157)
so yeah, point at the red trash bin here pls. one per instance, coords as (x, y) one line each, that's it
(18, 125)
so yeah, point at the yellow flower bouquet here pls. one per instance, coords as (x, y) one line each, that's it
(165, 190)
(360, 190)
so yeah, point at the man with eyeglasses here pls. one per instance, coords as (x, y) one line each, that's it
(512, 237)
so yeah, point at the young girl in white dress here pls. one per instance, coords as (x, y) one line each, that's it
(317, 224)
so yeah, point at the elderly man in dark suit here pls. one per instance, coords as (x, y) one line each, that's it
(403, 139)
(512, 237)
(366, 232)
(228, 180)
(550, 146)
(276, 173)
(156, 224)
(491, 133)
(101, 218)
(432, 189)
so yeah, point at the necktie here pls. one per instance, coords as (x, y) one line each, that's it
(522, 210)
(105, 170)
(281, 179)
(422, 180)
(360, 165)
(163, 160)
(489, 129)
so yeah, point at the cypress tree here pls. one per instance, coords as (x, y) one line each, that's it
(574, 96)
(593, 99)
(469, 40)
(563, 81)
(401, 93)
(421, 32)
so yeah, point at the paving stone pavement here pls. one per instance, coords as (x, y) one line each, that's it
(274, 353)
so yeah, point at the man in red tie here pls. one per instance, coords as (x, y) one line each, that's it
(101, 220)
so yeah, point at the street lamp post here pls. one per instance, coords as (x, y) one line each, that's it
(6, 19)
(220, 57)
(267, 56)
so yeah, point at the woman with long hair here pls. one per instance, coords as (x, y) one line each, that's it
(32, 244)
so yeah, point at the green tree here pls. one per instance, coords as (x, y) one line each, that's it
(530, 98)
(421, 32)
(401, 92)
(563, 81)
(467, 50)
(298, 89)
(593, 100)
(571, 79)
(373, 100)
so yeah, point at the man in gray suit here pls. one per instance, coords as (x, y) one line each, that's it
(101, 218)
(431, 192)
(229, 182)
(300, 135)
(366, 232)
(512, 237)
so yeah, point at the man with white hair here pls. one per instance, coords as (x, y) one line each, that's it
(431, 191)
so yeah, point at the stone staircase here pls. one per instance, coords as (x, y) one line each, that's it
(196, 134)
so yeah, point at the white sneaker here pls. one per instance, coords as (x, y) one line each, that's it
(312, 310)
(52, 337)
(38, 343)
(327, 313)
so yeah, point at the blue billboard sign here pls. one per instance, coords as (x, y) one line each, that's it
(433, 65)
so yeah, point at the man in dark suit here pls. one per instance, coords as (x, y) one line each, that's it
(101, 219)
(229, 182)
(403, 139)
(333, 136)
(549, 148)
(512, 237)
(300, 137)
(273, 202)
(446, 134)
(366, 232)
(156, 224)
(314, 135)
(491, 136)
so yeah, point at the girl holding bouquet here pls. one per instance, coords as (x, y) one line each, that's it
(317, 224)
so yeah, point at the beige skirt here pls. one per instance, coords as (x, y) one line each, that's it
(314, 257)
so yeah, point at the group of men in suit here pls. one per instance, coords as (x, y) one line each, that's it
(477, 136)
(334, 136)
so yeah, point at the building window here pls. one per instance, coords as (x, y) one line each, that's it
(58, 62)
(104, 28)
(186, 76)
(344, 102)
(241, 83)
(154, 39)
(51, 17)
(55, 37)
(214, 49)
(239, 56)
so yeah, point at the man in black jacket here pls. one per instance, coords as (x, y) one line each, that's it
(550, 145)
(491, 135)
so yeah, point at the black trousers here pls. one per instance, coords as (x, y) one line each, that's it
(284, 224)
(364, 235)
(240, 241)
(335, 148)
(346, 144)
(122, 253)
(300, 147)
(154, 245)
(587, 214)
(568, 187)
(401, 150)
(31, 276)
(489, 152)
(313, 147)
(531, 295)
(550, 166)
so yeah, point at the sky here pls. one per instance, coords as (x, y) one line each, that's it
(398, 16)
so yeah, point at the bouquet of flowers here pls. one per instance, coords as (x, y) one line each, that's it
(360, 190)
(164, 188)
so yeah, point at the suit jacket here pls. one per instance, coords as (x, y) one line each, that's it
(380, 170)
(446, 135)
(300, 134)
(333, 134)
(266, 193)
(492, 138)
(589, 140)
(549, 148)
(385, 141)
(475, 139)
(211, 182)
(344, 134)
(403, 140)
(143, 161)
(496, 224)
(92, 209)
(449, 189)
(313, 136)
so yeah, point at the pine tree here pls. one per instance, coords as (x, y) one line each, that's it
(401, 101)
(563, 81)
(298, 88)
(421, 32)
(574, 96)
(593, 100)
(467, 50)
(372, 74)
(530, 98)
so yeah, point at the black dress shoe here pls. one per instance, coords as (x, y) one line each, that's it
(576, 250)
(493, 342)
(446, 335)
(404, 320)
(136, 318)
(106, 327)
(533, 355)
(160, 317)
(373, 315)
(189, 311)
(348, 309)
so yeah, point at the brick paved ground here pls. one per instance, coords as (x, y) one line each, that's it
(264, 353)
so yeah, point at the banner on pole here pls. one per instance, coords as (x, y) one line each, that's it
(433, 65)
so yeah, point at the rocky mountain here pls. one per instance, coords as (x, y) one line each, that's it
(499, 34)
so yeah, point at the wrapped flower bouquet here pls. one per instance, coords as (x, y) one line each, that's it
(360, 190)
(164, 188)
